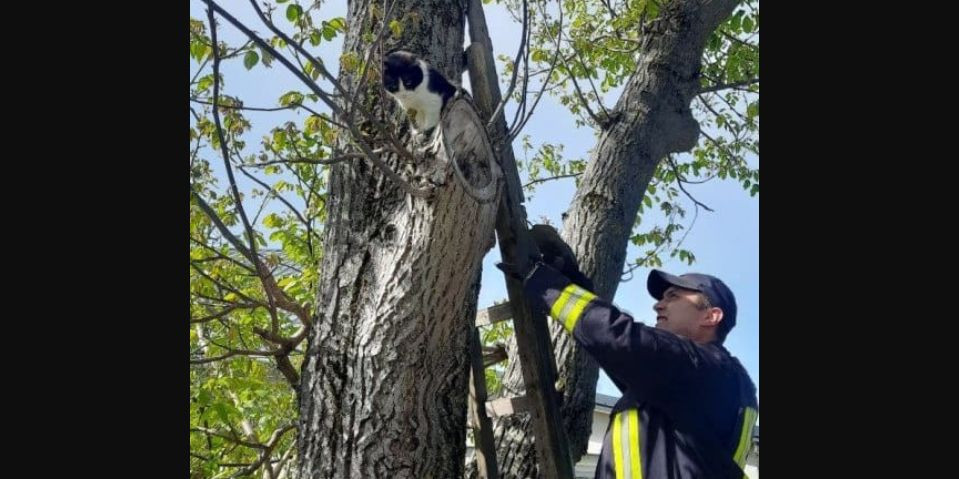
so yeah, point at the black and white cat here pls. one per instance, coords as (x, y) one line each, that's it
(419, 88)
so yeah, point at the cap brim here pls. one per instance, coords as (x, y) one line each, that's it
(659, 281)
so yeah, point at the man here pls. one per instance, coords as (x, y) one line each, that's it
(688, 406)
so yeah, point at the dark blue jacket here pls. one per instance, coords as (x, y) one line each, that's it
(687, 409)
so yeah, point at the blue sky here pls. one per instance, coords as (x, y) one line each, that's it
(725, 242)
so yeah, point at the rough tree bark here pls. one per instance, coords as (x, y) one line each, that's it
(651, 119)
(384, 384)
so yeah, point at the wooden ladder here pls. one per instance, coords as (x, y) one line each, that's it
(532, 333)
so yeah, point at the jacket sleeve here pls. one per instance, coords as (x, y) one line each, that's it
(661, 366)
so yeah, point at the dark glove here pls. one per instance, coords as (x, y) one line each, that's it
(512, 271)
(556, 253)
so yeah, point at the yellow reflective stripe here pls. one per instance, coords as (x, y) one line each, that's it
(634, 462)
(561, 302)
(745, 436)
(569, 307)
(578, 308)
(618, 447)
(627, 462)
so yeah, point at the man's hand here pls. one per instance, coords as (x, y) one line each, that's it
(557, 254)
(514, 272)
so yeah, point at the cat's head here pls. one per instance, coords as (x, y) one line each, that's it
(401, 67)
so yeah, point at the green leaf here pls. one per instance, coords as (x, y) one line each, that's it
(734, 22)
(205, 83)
(648, 202)
(272, 221)
(293, 12)
(315, 37)
(250, 59)
(329, 32)
(339, 23)
(199, 50)
(266, 57)
(396, 27)
(290, 98)
(313, 124)
(279, 139)
(748, 24)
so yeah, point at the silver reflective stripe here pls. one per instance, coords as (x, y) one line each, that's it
(624, 435)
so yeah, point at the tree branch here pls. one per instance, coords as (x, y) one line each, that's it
(723, 86)
(680, 181)
(419, 193)
(519, 55)
(223, 145)
(291, 106)
(557, 177)
(233, 352)
(211, 317)
(556, 54)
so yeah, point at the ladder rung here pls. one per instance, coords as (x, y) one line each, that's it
(493, 355)
(506, 406)
(494, 314)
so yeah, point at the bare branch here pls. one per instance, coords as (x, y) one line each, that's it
(736, 40)
(680, 181)
(233, 352)
(223, 285)
(199, 70)
(223, 145)
(222, 227)
(419, 193)
(724, 86)
(632, 267)
(599, 99)
(307, 161)
(291, 106)
(609, 7)
(218, 255)
(543, 180)
(732, 107)
(519, 54)
(719, 145)
(283, 459)
(521, 106)
(276, 195)
(275, 54)
(286, 368)
(222, 302)
(265, 453)
(318, 65)
(213, 316)
(369, 58)
(556, 53)
(582, 97)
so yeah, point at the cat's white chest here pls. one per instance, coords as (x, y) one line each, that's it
(426, 103)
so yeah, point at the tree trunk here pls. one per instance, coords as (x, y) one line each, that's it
(384, 384)
(651, 119)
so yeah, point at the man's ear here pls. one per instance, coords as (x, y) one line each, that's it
(713, 316)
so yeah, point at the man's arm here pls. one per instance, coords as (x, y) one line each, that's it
(662, 366)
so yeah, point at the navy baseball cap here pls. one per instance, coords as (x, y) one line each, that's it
(712, 287)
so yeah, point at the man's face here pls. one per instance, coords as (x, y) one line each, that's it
(683, 312)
